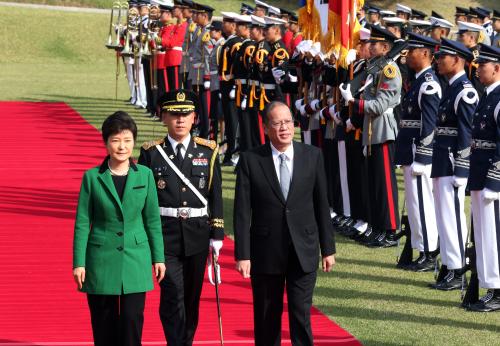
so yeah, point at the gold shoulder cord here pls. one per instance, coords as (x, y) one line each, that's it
(212, 164)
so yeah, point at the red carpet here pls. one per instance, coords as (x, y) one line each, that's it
(44, 148)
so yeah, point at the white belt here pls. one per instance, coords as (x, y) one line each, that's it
(254, 82)
(411, 124)
(269, 86)
(242, 81)
(447, 131)
(228, 76)
(184, 213)
(483, 144)
(214, 72)
(176, 48)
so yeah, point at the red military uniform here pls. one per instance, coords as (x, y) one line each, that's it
(296, 39)
(173, 52)
(287, 40)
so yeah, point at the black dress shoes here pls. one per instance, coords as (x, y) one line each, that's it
(384, 239)
(490, 302)
(424, 263)
(452, 281)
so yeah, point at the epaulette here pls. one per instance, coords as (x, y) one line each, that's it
(148, 145)
(389, 71)
(205, 142)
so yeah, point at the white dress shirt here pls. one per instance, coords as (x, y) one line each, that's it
(492, 87)
(289, 159)
(455, 77)
(185, 144)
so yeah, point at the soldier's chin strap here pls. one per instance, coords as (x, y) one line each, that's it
(182, 176)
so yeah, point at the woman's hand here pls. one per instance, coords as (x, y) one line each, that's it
(159, 271)
(79, 276)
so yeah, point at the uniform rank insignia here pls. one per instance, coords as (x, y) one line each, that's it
(200, 161)
(389, 71)
(161, 184)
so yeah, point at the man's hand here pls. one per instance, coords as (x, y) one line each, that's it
(79, 276)
(345, 90)
(159, 271)
(328, 263)
(243, 267)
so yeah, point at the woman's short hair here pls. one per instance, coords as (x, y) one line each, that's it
(116, 123)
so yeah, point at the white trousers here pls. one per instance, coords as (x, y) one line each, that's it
(452, 225)
(420, 209)
(344, 185)
(138, 94)
(486, 218)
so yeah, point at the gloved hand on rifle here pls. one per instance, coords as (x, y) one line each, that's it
(278, 74)
(232, 93)
(345, 90)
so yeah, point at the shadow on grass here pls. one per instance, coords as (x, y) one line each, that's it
(378, 278)
(377, 315)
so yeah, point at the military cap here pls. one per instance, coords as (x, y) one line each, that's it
(133, 3)
(180, 4)
(243, 19)
(482, 12)
(472, 13)
(450, 47)
(420, 23)
(374, 9)
(258, 21)
(143, 3)
(188, 3)
(164, 5)
(364, 34)
(274, 10)
(271, 21)
(403, 8)
(387, 13)
(293, 18)
(178, 101)
(216, 25)
(488, 54)
(262, 5)
(468, 27)
(420, 41)
(394, 21)
(285, 12)
(461, 11)
(496, 15)
(229, 16)
(440, 23)
(246, 9)
(416, 14)
(203, 8)
(380, 34)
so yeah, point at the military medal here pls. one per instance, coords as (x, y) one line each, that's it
(202, 183)
(161, 184)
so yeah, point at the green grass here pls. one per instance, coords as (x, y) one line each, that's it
(365, 294)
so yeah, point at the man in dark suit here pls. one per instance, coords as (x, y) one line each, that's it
(281, 220)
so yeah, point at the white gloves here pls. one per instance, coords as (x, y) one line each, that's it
(489, 195)
(243, 104)
(232, 93)
(292, 78)
(459, 181)
(349, 126)
(216, 245)
(206, 84)
(417, 168)
(345, 90)
(351, 56)
(278, 74)
(298, 103)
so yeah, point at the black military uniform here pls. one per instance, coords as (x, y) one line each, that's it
(188, 223)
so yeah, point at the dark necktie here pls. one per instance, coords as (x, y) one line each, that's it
(179, 154)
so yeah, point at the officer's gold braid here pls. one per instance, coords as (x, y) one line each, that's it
(212, 163)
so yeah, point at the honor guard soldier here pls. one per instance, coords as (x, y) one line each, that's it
(374, 15)
(471, 35)
(440, 27)
(484, 14)
(241, 74)
(381, 95)
(216, 115)
(361, 15)
(419, 111)
(450, 161)
(187, 13)
(227, 85)
(261, 9)
(484, 180)
(199, 74)
(188, 181)
(403, 12)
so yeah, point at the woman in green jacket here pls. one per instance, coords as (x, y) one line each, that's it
(117, 238)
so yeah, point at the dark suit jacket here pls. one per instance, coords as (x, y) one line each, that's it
(265, 225)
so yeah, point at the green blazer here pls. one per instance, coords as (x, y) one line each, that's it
(117, 241)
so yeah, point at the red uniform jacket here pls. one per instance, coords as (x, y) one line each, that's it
(173, 44)
(295, 41)
(287, 40)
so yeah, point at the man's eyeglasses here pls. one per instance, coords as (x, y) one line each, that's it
(278, 124)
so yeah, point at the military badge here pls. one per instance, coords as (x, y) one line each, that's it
(161, 184)
(428, 77)
(443, 117)
(202, 183)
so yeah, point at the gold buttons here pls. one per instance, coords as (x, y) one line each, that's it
(184, 203)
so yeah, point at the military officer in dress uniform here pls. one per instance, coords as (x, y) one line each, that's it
(188, 181)
(216, 115)
(419, 110)
(173, 48)
(450, 162)
(471, 35)
(495, 40)
(187, 12)
(374, 15)
(227, 86)
(376, 105)
(403, 12)
(484, 180)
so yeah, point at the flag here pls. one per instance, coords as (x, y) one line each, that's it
(310, 20)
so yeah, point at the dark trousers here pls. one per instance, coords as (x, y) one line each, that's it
(215, 113)
(203, 120)
(184, 80)
(172, 77)
(245, 140)
(357, 179)
(180, 297)
(117, 320)
(268, 304)
(383, 187)
(146, 65)
(334, 191)
(230, 118)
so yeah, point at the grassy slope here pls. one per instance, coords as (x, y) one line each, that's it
(365, 294)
